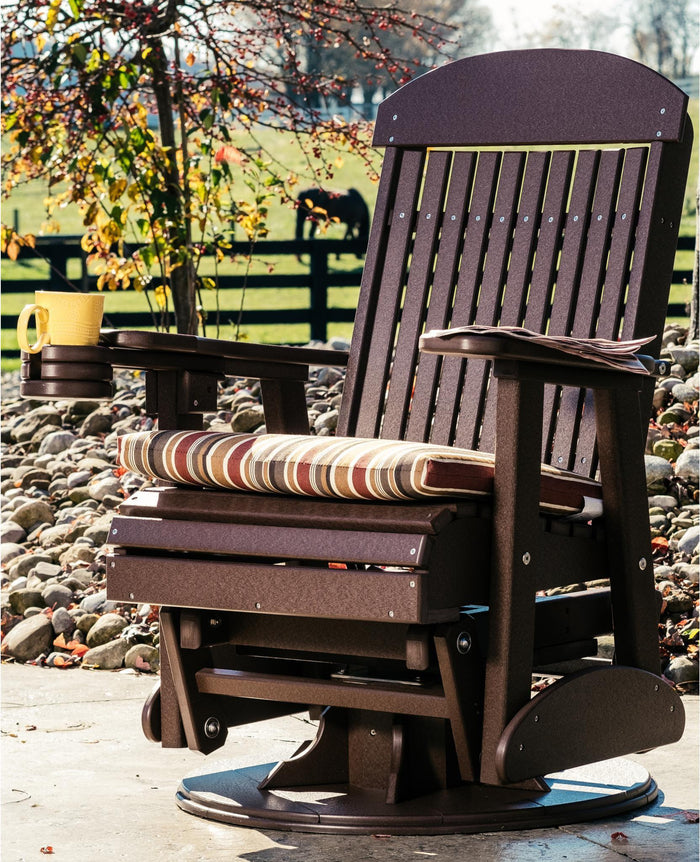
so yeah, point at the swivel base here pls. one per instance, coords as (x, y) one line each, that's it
(606, 789)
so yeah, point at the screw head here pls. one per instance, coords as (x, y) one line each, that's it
(212, 727)
(526, 558)
(464, 643)
(642, 564)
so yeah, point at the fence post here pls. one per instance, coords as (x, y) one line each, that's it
(319, 291)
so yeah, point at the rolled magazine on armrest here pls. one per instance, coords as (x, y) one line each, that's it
(617, 354)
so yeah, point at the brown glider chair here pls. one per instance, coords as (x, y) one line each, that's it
(392, 579)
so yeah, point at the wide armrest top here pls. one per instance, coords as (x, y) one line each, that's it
(218, 347)
(516, 343)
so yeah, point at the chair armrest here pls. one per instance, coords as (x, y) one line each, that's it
(182, 374)
(515, 352)
(169, 343)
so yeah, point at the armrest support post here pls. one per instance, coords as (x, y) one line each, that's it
(516, 557)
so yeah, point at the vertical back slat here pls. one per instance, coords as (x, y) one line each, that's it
(442, 293)
(490, 296)
(615, 287)
(587, 307)
(515, 296)
(466, 294)
(369, 292)
(398, 246)
(415, 301)
(568, 273)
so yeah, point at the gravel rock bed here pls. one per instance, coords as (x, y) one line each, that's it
(60, 486)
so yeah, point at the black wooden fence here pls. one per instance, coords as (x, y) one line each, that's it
(319, 277)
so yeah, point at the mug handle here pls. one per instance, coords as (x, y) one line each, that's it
(42, 328)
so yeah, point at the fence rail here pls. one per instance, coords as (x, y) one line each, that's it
(319, 278)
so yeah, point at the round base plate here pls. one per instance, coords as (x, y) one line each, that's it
(605, 789)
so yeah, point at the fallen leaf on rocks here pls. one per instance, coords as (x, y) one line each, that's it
(78, 648)
(47, 851)
(619, 838)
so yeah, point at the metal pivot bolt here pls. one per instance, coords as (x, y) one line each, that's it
(212, 727)
(642, 564)
(526, 558)
(464, 643)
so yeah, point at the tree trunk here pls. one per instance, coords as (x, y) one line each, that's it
(182, 277)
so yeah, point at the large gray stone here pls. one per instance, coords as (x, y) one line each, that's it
(10, 550)
(681, 669)
(687, 465)
(33, 512)
(25, 598)
(12, 532)
(56, 441)
(657, 471)
(57, 595)
(143, 657)
(105, 629)
(688, 543)
(29, 639)
(108, 656)
(62, 622)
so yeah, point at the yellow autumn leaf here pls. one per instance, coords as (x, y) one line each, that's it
(13, 249)
(116, 189)
(189, 59)
(162, 292)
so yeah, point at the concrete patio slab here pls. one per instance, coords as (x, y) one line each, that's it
(79, 777)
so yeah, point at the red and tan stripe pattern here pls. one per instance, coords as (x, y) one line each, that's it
(341, 467)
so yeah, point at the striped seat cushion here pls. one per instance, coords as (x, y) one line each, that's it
(337, 467)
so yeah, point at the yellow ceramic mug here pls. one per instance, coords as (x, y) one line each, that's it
(61, 318)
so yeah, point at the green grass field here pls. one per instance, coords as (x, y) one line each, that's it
(26, 208)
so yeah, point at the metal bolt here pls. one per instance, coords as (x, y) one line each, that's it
(391, 139)
(413, 551)
(391, 613)
(537, 718)
(656, 687)
(521, 747)
(600, 218)
(477, 218)
(453, 218)
(212, 727)
(526, 218)
(402, 215)
(502, 219)
(412, 584)
(113, 565)
(673, 709)
(373, 732)
(131, 596)
(257, 605)
(526, 558)
(658, 134)
(114, 531)
(560, 459)
(583, 460)
(395, 117)
(550, 219)
(642, 564)
(464, 643)
(427, 215)
(624, 216)
(662, 111)
(575, 218)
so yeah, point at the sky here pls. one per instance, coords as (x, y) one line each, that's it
(514, 17)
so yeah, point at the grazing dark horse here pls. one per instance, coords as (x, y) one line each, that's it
(347, 206)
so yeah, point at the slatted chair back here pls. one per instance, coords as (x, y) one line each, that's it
(532, 188)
